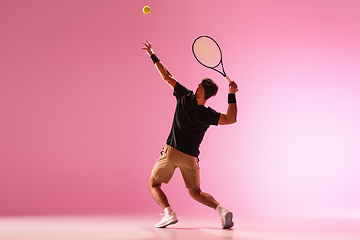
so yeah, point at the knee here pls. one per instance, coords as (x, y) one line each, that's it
(194, 192)
(153, 183)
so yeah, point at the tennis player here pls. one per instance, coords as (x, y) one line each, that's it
(191, 120)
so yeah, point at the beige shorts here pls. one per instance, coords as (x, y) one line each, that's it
(169, 160)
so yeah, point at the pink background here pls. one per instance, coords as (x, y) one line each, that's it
(84, 113)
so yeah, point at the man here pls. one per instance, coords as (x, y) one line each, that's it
(191, 120)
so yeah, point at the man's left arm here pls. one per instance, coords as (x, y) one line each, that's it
(164, 72)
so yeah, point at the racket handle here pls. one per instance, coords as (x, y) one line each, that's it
(228, 79)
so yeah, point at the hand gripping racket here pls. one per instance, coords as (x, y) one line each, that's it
(208, 53)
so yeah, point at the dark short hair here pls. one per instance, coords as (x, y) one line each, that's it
(210, 87)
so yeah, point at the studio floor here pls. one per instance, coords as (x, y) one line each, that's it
(188, 228)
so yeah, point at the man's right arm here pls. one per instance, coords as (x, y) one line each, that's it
(164, 72)
(231, 115)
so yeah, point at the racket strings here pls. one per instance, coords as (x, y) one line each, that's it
(207, 52)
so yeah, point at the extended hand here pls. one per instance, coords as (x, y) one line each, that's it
(148, 48)
(233, 88)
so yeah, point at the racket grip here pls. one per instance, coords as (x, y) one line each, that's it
(228, 79)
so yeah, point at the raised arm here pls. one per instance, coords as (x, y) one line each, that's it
(231, 114)
(164, 72)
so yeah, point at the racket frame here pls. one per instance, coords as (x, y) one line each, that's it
(220, 62)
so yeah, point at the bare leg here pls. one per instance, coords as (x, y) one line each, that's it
(157, 193)
(202, 197)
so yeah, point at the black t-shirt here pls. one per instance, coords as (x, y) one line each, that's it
(190, 122)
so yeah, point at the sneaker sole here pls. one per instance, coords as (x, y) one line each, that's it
(173, 222)
(228, 220)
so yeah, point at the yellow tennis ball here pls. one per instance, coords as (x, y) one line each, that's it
(146, 9)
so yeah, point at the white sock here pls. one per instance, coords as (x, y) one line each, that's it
(219, 208)
(168, 211)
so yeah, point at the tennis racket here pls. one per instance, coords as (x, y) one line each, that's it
(208, 53)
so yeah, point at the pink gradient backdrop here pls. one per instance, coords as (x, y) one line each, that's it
(84, 113)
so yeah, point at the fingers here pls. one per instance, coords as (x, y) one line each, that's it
(147, 47)
(233, 88)
(233, 84)
(147, 44)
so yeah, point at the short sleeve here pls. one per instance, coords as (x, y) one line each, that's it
(180, 91)
(212, 116)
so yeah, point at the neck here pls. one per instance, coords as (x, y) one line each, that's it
(200, 101)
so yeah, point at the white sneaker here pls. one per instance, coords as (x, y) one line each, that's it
(226, 218)
(167, 220)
